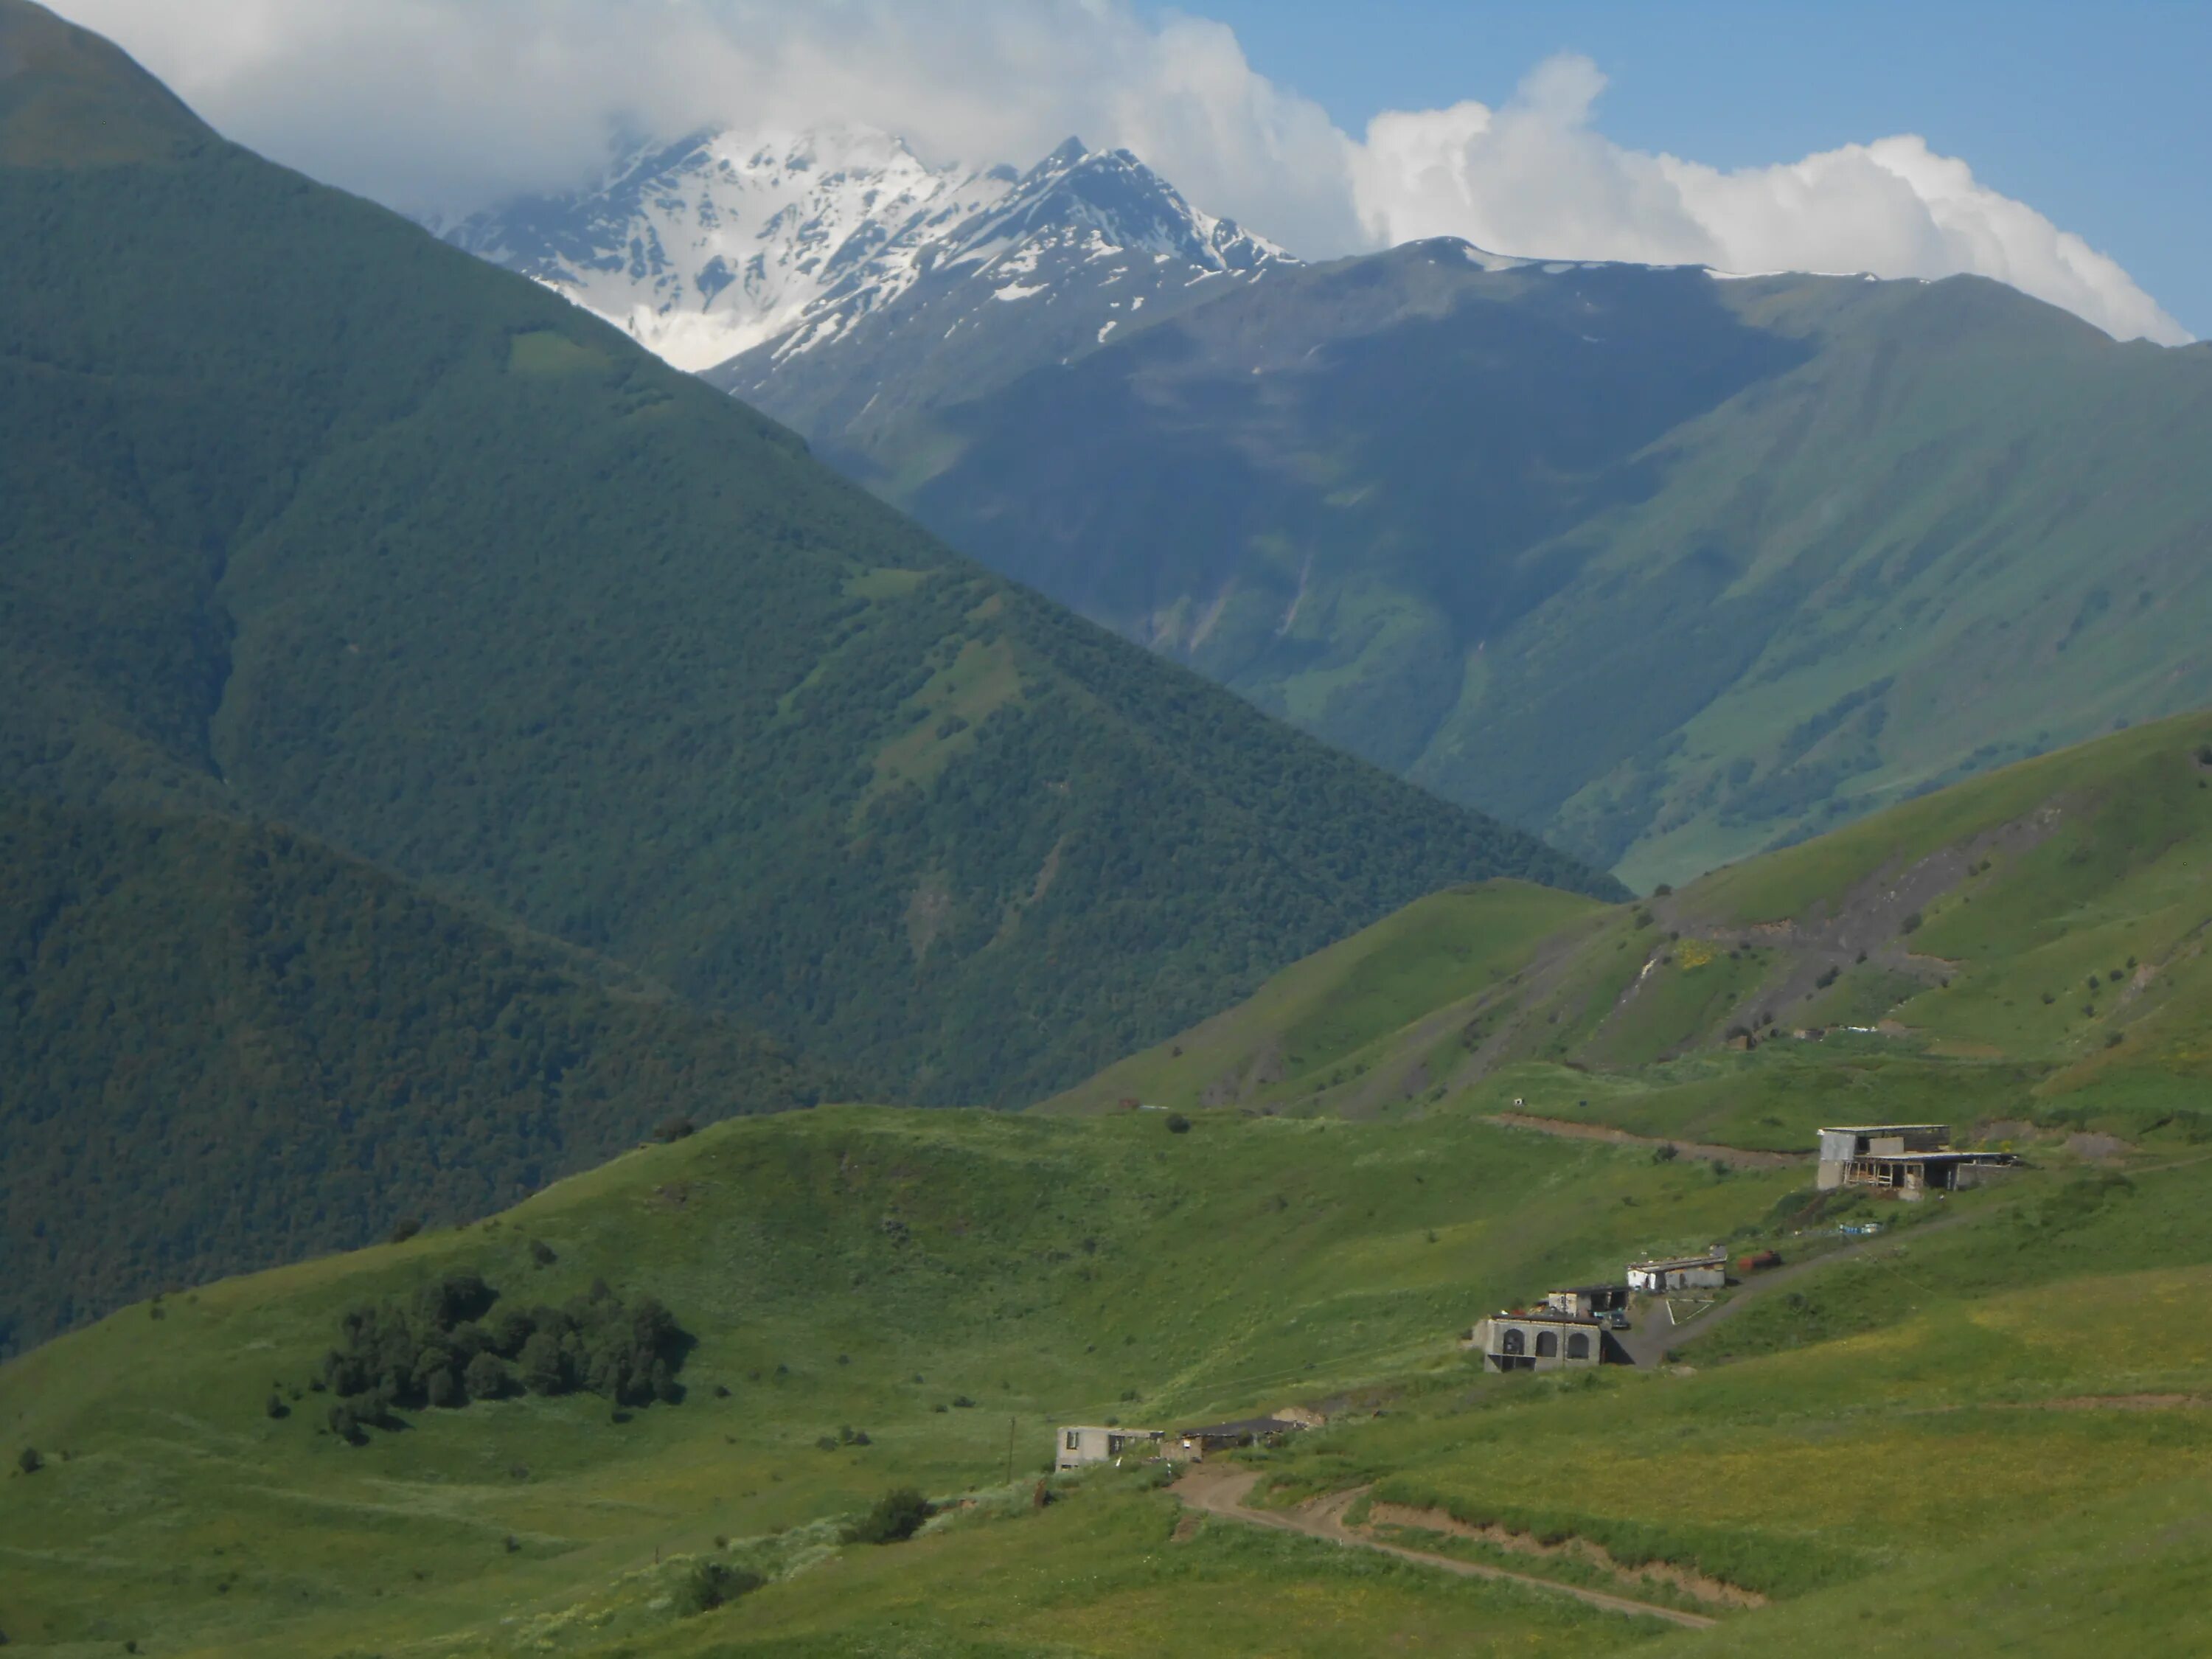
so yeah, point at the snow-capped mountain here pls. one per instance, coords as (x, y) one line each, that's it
(1083, 250)
(707, 247)
(836, 278)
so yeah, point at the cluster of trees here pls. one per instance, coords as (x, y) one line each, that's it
(450, 1344)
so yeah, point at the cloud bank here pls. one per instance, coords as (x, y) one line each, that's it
(442, 106)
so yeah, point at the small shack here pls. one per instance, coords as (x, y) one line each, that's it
(1542, 1340)
(1660, 1274)
(1589, 1299)
(1075, 1446)
(1226, 1436)
(1908, 1160)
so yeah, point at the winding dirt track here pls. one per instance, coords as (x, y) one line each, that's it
(1741, 1158)
(1220, 1490)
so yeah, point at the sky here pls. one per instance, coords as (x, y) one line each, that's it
(2062, 148)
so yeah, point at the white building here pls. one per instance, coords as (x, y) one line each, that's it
(1708, 1272)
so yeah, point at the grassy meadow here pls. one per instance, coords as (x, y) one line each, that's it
(1989, 1416)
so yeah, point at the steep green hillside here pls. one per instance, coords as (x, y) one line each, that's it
(222, 1045)
(2029, 944)
(314, 517)
(881, 1298)
(1674, 568)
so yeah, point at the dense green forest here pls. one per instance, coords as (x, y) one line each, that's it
(324, 519)
(223, 1045)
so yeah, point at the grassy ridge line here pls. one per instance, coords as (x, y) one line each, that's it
(2031, 944)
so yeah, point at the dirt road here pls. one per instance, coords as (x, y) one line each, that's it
(1654, 1335)
(1220, 1489)
(1737, 1156)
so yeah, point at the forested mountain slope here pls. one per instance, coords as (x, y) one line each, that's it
(1670, 566)
(224, 1045)
(315, 517)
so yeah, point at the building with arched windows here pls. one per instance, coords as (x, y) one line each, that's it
(1544, 1340)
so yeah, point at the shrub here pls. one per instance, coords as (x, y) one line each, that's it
(1666, 1153)
(403, 1229)
(1828, 978)
(2113, 1039)
(674, 1129)
(1178, 1124)
(542, 1252)
(897, 1517)
(962, 1402)
(711, 1584)
(277, 1407)
(1662, 891)
(29, 1462)
(1910, 924)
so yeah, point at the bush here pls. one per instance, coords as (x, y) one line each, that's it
(1666, 1153)
(1827, 978)
(29, 1462)
(542, 1252)
(1178, 1124)
(674, 1129)
(403, 1229)
(711, 1584)
(277, 1407)
(1910, 924)
(897, 1517)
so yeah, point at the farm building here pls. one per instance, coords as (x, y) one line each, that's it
(1907, 1159)
(1077, 1446)
(1589, 1299)
(1708, 1272)
(1543, 1340)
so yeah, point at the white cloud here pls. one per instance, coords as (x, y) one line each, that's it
(1534, 176)
(442, 105)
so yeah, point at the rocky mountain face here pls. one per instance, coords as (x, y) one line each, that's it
(707, 247)
(747, 253)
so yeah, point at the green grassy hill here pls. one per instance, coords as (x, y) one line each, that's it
(222, 1045)
(2028, 945)
(1928, 1427)
(314, 517)
(1673, 568)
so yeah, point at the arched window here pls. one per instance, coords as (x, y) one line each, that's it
(1578, 1346)
(1514, 1342)
(1547, 1344)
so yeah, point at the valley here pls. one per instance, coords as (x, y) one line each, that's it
(816, 902)
(892, 1298)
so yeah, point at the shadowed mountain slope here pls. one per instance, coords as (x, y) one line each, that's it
(1670, 567)
(224, 1045)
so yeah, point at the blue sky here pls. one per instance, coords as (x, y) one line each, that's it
(2098, 116)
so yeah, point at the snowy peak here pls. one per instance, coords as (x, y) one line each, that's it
(711, 244)
(1123, 202)
(722, 242)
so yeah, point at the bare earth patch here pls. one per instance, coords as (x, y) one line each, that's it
(1714, 1592)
